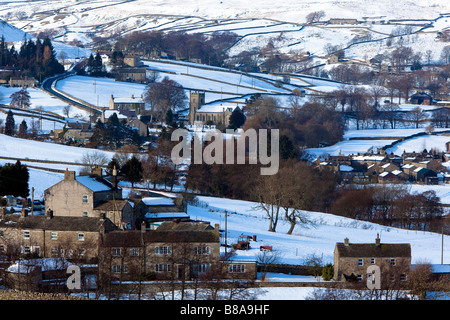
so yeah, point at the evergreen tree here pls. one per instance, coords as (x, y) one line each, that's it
(287, 149)
(132, 170)
(237, 119)
(10, 124)
(14, 180)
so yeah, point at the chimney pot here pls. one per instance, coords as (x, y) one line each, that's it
(346, 242)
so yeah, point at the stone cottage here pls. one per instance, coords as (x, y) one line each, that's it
(351, 260)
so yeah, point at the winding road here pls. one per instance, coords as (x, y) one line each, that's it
(47, 85)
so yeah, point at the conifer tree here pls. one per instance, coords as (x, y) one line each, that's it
(10, 124)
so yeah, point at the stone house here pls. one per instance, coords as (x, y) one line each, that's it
(175, 250)
(421, 98)
(120, 212)
(47, 236)
(85, 196)
(131, 60)
(133, 103)
(24, 82)
(75, 132)
(351, 260)
(392, 177)
(138, 75)
(140, 126)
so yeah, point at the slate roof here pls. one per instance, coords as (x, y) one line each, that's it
(56, 223)
(112, 205)
(168, 232)
(94, 183)
(360, 250)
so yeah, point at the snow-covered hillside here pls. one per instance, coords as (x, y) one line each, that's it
(257, 23)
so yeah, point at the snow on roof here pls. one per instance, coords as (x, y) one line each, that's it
(384, 174)
(109, 113)
(158, 201)
(128, 100)
(345, 168)
(46, 264)
(371, 158)
(408, 166)
(218, 107)
(397, 172)
(93, 183)
(161, 215)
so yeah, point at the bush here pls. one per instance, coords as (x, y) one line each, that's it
(328, 272)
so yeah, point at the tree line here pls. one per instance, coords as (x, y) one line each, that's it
(34, 58)
(209, 49)
(391, 205)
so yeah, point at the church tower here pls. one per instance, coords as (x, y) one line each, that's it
(196, 100)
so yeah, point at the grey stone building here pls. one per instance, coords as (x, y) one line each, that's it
(351, 260)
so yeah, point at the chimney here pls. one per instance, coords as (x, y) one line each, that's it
(346, 242)
(69, 175)
(23, 213)
(97, 171)
(49, 214)
(114, 182)
(377, 240)
(143, 227)
(216, 229)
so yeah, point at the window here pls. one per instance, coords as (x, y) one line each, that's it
(236, 268)
(26, 234)
(360, 262)
(163, 267)
(201, 250)
(163, 250)
(54, 251)
(403, 277)
(85, 198)
(53, 235)
(372, 260)
(116, 252)
(201, 268)
(81, 252)
(392, 262)
(81, 237)
(26, 250)
(134, 252)
(85, 213)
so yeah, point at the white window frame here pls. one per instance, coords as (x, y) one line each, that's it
(236, 268)
(203, 250)
(26, 234)
(116, 252)
(360, 262)
(163, 250)
(53, 235)
(134, 252)
(162, 267)
(85, 198)
(80, 236)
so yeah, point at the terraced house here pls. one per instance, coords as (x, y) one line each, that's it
(175, 250)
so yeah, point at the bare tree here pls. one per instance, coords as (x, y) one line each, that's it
(315, 16)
